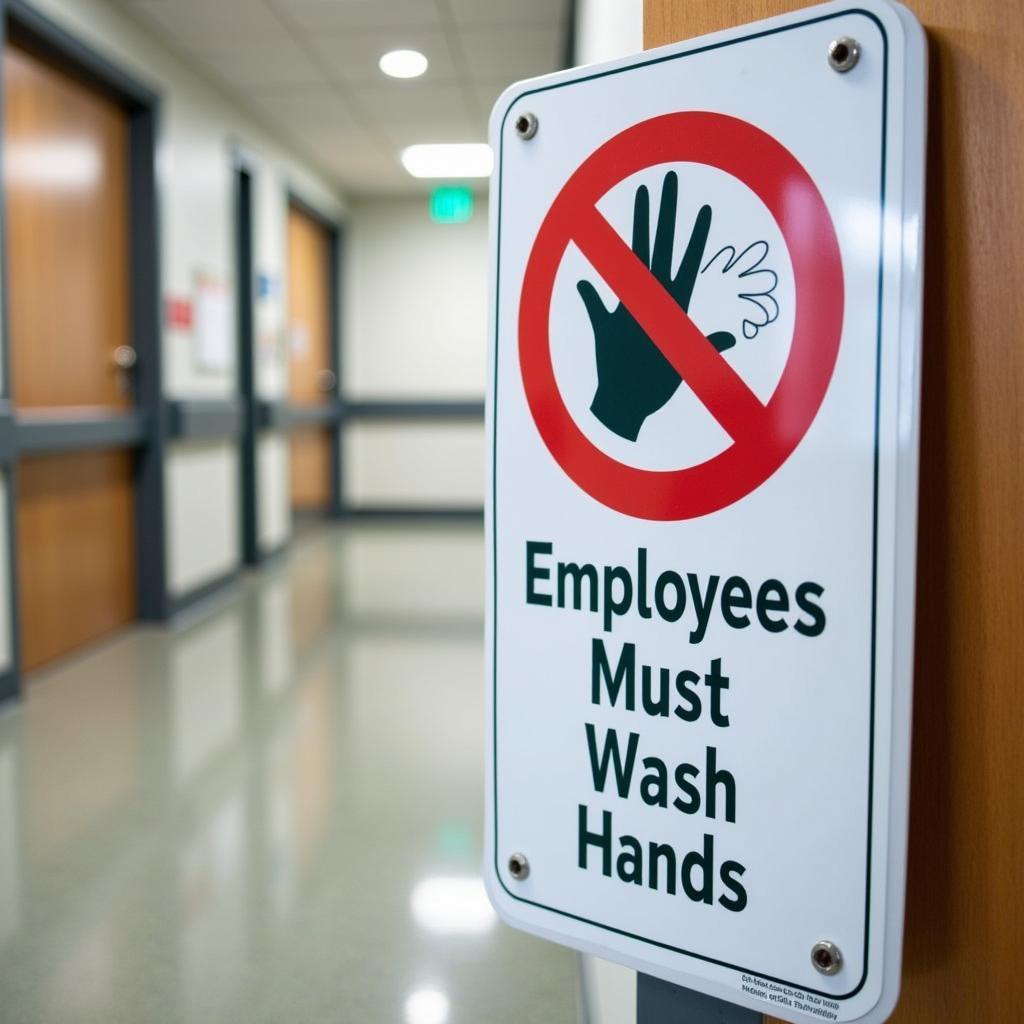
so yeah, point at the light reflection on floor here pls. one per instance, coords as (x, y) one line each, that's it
(272, 813)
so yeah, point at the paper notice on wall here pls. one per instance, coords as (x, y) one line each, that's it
(271, 337)
(212, 333)
(298, 339)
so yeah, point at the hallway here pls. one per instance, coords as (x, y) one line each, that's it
(272, 812)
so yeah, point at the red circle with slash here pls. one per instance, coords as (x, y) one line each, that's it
(763, 435)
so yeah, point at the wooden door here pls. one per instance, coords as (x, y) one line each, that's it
(962, 962)
(310, 362)
(66, 160)
(66, 166)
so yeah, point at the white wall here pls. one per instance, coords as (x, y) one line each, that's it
(415, 327)
(201, 480)
(415, 322)
(200, 129)
(275, 520)
(429, 464)
(606, 29)
(608, 991)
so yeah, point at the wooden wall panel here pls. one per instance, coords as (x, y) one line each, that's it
(962, 962)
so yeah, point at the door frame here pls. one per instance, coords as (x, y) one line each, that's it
(245, 295)
(144, 428)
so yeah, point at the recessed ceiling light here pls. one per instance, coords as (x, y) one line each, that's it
(448, 160)
(403, 63)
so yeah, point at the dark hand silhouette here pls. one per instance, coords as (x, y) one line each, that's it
(633, 378)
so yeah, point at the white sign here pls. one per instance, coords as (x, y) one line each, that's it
(214, 336)
(703, 419)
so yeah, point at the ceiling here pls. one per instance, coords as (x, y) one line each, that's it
(309, 69)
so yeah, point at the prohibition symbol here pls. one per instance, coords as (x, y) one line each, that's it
(763, 435)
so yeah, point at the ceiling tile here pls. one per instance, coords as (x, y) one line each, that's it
(359, 14)
(321, 140)
(319, 108)
(353, 56)
(488, 90)
(309, 68)
(401, 135)
(204, 23)
(254, 64)
(363, 169)
(395, 104)
(467, 13)
(517, 52)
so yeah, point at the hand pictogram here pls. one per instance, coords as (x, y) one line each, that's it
(634, 379)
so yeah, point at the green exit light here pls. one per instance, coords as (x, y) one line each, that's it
(451, 205)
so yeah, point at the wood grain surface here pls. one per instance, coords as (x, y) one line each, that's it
(309, 352)
(310, 468)
(309, 337)
(962, 963)
(67, 265)
(75, 526)
(66, 174)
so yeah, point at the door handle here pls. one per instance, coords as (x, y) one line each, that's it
(327, 380)
(125, 357)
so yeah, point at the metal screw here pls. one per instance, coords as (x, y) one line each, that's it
(843, 54)
(519, 867)
(526, 126)
(826, 957)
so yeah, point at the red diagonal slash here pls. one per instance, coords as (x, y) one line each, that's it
(764, 435)
(721, 389)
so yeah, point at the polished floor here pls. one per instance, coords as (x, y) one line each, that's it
(271, 813)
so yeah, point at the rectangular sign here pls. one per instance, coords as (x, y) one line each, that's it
(703, 427)
(178, 313)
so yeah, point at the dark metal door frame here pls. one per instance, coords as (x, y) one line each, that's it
(244, 293)
(661, 1002)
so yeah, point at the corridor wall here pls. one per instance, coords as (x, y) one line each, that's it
(415, 335)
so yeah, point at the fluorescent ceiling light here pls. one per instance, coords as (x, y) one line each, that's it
(403, 63)
(448, 160)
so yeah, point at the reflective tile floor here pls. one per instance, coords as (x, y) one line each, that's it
(271, 813)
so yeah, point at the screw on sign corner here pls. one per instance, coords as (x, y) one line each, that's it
(519, 867)
(826, 957)
(843, 54)
(526, 126)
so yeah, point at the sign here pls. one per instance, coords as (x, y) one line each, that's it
(178, 313)
(267, 285)
(702, 420)
(213, 330)
(763, 434)
(451, 204)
